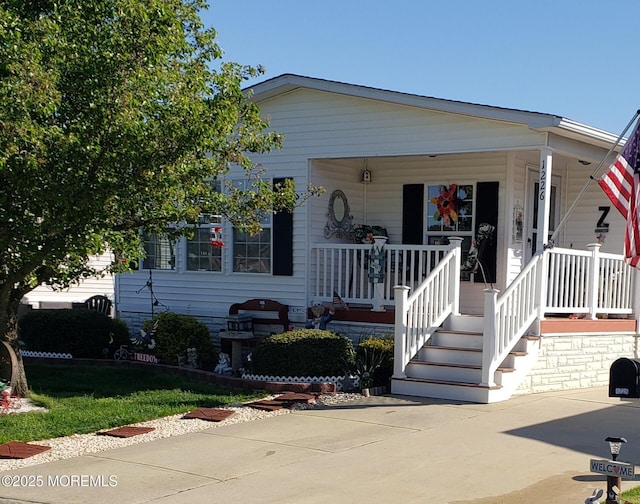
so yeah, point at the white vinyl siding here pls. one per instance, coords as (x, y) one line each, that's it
(44, 296)
(329, 137)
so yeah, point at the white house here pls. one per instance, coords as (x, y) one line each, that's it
(44, 296)
(427, 171)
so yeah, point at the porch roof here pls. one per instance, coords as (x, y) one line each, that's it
(537, 121)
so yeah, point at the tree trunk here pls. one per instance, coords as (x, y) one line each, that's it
(9, 326)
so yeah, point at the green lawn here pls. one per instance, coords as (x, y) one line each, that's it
(87, 399)
(632, 496)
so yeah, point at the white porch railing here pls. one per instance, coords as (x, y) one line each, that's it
(588, 282)
(424, 284)
(556, 281)
(344, 269)
(507, 317)
(418, 316)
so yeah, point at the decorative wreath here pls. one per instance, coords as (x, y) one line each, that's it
(446, 204)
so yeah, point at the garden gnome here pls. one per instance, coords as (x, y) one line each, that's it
(322, 322)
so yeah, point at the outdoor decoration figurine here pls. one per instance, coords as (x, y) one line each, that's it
(146, 338)
(483, 237)
(192, 357)
(224, 365)
(320, 320)
(595, 496)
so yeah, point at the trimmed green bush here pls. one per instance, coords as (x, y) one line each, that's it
(178, 332)
(382, 348)
(81, 333)
(302, 352)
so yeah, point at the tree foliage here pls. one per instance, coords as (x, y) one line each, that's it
(113, 113)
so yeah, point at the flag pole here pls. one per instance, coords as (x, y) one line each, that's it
(592, 178)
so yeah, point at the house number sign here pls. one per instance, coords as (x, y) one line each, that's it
(543, 181)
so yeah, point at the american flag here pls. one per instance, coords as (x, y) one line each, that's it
(621, 184)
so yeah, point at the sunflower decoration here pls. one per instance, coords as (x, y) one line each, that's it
(446, 204)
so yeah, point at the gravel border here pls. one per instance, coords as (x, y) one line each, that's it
(175, 425)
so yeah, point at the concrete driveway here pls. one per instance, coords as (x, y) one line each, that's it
(531, 449)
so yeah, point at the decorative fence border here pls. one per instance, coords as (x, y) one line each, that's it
(46, 355)
(341, 382)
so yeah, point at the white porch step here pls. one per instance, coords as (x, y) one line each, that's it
(461, 339)
(443, 389)
(473, 323)
(450, 354)
(449, 366)
(451, 372)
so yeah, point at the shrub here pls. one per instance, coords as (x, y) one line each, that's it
(176, 333)
(82, 333)
(302, 352)
(381, 350)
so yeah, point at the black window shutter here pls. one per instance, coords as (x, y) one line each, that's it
(487, 212)
(412, 214)
(282, 232)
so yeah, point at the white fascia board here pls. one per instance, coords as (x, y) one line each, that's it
(584, 133)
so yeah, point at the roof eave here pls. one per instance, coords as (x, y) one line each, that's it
(534, 120)
(288, 82)
(583, 132)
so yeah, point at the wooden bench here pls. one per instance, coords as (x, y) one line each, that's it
(244, 318)
(258, 308)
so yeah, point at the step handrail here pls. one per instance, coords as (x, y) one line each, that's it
(418, 316)
(508, 316)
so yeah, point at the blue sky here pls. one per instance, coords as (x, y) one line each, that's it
(573, 58)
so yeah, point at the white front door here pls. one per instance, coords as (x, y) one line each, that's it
(532, 210)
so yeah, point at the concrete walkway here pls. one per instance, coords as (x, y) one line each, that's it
(532, 449)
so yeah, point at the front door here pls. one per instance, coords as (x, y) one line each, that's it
(532, 209)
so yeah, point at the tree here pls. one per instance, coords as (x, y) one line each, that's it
(112, 114)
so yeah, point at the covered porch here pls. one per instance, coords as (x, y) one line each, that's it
(560, 291)
(577, 285)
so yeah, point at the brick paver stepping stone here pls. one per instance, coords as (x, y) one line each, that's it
(125, 432)
(19, 450)
(210, 414)
(299, 397)
(267, 405)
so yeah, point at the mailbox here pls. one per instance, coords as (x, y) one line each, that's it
(624, 378)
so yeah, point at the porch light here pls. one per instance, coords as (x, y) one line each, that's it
(366, 176)
(615, 443)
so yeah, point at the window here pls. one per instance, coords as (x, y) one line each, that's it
(450, 212)
(252, 253)
(160, 252)
(203, 250)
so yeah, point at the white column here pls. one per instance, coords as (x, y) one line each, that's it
(544, 198)
(401, 295)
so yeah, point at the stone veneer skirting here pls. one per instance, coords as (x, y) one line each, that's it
(576, 361)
